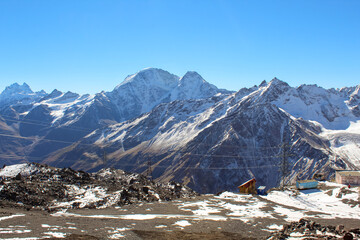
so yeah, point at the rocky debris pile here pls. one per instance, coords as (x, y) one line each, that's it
(311, 230)
(344, 193)
(37, 185)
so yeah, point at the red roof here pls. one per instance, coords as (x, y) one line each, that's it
(247, 183)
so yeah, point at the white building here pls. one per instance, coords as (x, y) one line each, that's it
(348, 177)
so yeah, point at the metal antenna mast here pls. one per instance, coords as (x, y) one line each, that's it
(149, 172)
(284, 164)
(105, 158)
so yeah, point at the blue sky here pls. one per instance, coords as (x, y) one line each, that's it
(89, 46)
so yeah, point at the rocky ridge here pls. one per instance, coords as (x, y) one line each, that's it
(307, 229)
(40, 186)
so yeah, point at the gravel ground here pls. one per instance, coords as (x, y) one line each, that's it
(157, 220)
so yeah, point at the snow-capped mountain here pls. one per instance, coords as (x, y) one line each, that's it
(53, 121)
(191, 131)
(193, 86)
(16, 93)
(334, 111)
(217, 143)
(141, 92)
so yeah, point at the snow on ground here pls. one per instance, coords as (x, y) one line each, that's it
(289, 205)
(24, 169)
(346, 142)
(12, 216)
(328, 203)
(141, 217)
(65, 102)
(203, 208)
(26, 238)
(56, 234)
(182, 224)
(275, 227)
(11, 230)
(84, 197)
(161, 226)
(115, 233)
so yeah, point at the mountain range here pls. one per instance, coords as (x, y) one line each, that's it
(185, 129)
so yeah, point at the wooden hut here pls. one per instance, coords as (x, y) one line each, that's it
(248, 187)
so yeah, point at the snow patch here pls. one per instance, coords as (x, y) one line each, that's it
(56, 234)
(25, 169)
(161, 226)
(12, 216)
(182, 223)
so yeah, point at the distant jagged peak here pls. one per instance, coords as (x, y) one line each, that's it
(42, 92)
(57, 96)
(192, 76)
(276, 85)
(313, 89)
(193, 86)
(263, 83)
(277, 82)
(16, 88)
(271, 91)
(70, 94)
(55, 93)
(356, 91)
(194, 79)
(151, 76)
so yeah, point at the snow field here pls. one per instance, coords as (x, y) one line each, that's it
(326, 203)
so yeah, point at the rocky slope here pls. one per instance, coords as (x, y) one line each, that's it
(311, 230)
(40, 186)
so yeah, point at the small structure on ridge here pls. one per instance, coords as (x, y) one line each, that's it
(248, 187)
(261, 190)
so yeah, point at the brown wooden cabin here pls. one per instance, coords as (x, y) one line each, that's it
(248, 187)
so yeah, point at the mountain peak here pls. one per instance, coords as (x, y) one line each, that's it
(54, 94)
(277, 83)
(192, 77)
(263, 83)
(193, 74)
(357, 91)
(275, 80)
(16, 93)
(151, 76)
(193, 86)
(16, 88)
